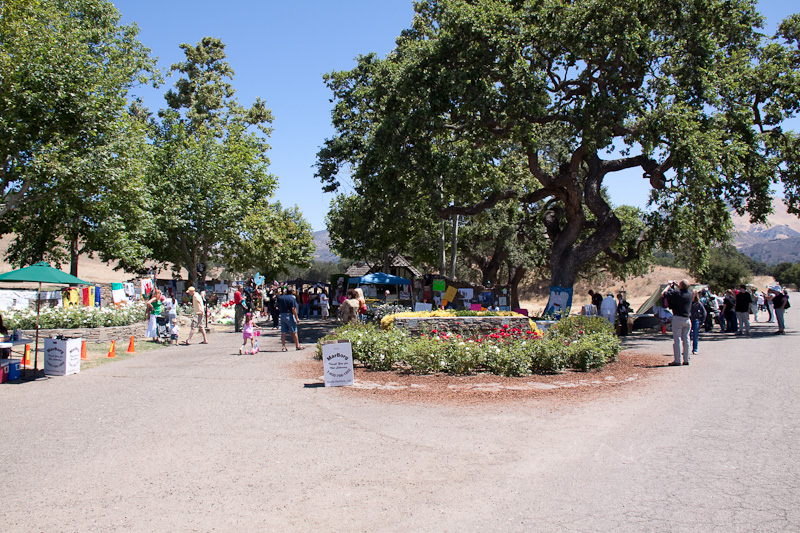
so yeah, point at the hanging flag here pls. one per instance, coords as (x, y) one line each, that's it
(118, 293)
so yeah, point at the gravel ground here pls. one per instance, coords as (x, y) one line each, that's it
(200, 439)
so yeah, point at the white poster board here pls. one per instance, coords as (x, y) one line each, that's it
(337, 360)
(62, 358)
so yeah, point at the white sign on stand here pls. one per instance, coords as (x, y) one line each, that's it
(62, 358)
(337, 360)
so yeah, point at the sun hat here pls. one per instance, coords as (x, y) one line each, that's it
(190, 289)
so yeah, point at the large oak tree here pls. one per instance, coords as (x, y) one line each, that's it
(689, 92)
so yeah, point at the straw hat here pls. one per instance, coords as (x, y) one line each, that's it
(190, 289)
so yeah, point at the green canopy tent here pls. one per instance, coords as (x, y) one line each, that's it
(41, 273)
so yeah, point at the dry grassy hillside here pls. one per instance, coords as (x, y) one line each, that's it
(89, 268)
(638, 290)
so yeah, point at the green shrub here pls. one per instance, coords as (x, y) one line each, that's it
(573, 327)
(549, 355)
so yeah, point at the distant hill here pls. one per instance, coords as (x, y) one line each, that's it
(774, 242)
(324, 253)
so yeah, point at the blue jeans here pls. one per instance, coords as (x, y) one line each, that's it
(695, 334)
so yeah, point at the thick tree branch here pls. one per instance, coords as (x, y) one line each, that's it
(632, 254)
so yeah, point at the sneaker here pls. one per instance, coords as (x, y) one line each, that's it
(694, 352)
(674, 363)
(686, 363)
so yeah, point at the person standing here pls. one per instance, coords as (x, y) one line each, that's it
(597, 299)
(623, 310)
(155, 307)
(679, 300)
(305, 306)
(769, 305)
(757, 302)
(779, 301)
(608, 308)
(743, 301)
(287, 307)
(238, 309)
(348, 309)
(324, 304)
(729, 310)
(697, 316)
(198, 313)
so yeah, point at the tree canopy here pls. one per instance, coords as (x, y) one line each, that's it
(690, 93)
(67, 145)
(210, 177)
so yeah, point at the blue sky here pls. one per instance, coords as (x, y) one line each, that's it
(279, 51)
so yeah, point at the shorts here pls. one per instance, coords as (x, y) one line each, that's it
(173, 337)
(197, 322)
(288, 323)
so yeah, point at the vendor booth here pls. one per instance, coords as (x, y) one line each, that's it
(381, 278)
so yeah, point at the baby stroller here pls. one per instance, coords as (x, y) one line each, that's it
(162, 328)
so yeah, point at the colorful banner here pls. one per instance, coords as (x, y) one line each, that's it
(450, 294)
(70, 297)
(560, 301)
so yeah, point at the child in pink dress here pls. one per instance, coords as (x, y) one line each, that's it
(249, 333)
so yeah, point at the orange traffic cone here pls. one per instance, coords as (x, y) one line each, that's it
(26, 360)
(130, 346)
(112, 351)
(83, 351)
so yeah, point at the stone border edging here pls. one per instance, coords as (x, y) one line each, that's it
(103, 334)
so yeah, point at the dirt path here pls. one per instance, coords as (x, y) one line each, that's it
(198, 439)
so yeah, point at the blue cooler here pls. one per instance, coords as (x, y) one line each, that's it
(13, 366)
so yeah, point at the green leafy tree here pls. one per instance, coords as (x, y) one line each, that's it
(787, 274)
(727, 268)
(67, 145)
(271, 240)
(688, 93)
(209, 177)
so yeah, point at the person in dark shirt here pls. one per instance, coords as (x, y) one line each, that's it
(287, 307)
(679, 300)
(697, 315)
(597, 299)
(623, 309)
(729, 311)
(779, 301)
(743, 302)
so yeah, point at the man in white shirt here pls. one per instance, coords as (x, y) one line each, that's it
(608, 308)
(199, 312)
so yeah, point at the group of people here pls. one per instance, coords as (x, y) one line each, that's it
(609, 309)
(692, 309)
(162, 312)
(733, 309)
(352, 307)
(304, 301)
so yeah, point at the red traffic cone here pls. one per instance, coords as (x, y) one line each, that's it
(112, 351)
(83, 351)
(130, 346)
(663, 328)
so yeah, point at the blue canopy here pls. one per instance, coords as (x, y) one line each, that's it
(379, 278)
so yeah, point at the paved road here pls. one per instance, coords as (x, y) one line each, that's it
(199, 439)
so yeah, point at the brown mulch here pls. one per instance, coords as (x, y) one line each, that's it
(626, 374)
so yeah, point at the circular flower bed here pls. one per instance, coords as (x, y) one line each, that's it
(576, 342)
